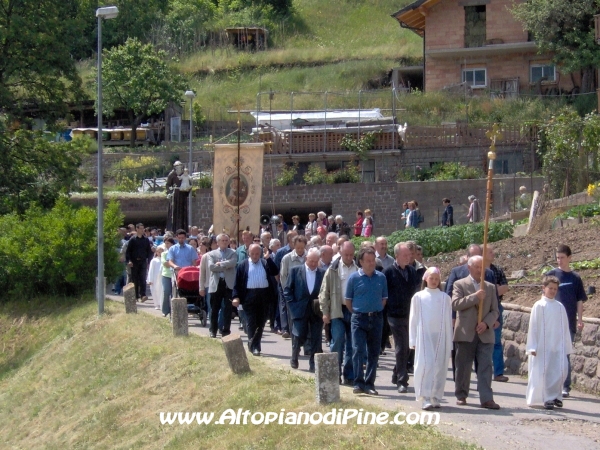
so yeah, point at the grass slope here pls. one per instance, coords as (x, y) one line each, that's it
(333, 45)
(340, 45)
(69, 379)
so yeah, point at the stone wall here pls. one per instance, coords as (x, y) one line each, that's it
(384, 199)
(584, 360)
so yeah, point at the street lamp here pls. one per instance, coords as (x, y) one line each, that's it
(107, 12)
(191, 96)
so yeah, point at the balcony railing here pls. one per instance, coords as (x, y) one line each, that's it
(462, 135)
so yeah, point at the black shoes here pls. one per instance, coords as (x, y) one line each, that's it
(255, 352)
(357, 390)
(213, 335)
(294, 363)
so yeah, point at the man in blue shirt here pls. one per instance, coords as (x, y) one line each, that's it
(181, 254)
(366, 295)
(572, 295)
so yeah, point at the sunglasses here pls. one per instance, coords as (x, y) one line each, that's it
(256, 240)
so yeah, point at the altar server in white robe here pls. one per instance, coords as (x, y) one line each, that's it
(430, 334)
(548, 344)
(154, 278)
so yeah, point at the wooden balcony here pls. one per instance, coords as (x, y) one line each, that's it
(298, 142)
(324, 141)
(463, 135)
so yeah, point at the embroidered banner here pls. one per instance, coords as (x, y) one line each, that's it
(237, 187)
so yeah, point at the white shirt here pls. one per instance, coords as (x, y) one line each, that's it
(311, 278)
(475, 282)
(345, 272)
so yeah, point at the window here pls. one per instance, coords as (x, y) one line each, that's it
(540, 71)
(475, 26)
(476, 78)
(368, 171)
(175, 129)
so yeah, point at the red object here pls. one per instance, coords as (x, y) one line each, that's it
(358, 227)
(188, 278)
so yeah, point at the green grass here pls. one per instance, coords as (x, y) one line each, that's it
(329, 31)
(71, 379)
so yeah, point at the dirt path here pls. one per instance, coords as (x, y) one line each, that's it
(576, 426)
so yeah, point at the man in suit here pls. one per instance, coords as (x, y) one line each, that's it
(255, 289)
(221, 263)
(448, 215)
(301, 294)
(474, 339)
(458, 273)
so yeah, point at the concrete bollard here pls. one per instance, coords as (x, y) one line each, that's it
(129, 299)
(327, 378)
(236, 354)
(179, 316)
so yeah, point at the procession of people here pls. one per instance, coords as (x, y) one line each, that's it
(363, 296)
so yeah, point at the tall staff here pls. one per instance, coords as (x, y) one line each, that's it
(492, 134)
(237, 228)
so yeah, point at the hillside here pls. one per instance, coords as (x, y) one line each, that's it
(337, 45)
(334, 45)
(535, 255)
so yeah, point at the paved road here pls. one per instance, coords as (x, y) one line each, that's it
(576, 426)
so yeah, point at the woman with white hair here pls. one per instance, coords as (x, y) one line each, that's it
(430, 335)
(474, 210)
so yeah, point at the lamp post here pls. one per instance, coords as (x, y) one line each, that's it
(191, 96)
(107, 12)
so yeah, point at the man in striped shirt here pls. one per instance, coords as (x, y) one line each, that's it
(255, 289)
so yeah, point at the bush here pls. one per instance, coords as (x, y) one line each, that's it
(441, 172)
(447, 239)
(589, 210)
(129, 172)
(455, 171)
(316, 175)
(55, 252)
(287, 175)
(348, 174)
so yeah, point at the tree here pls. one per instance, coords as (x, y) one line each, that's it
(564, 28)
(36, 69)
(34, 170)
(569, 147)
(137, 79)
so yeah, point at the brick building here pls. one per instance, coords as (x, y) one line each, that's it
(481, 44)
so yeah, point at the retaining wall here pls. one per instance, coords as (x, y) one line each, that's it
(585, 370)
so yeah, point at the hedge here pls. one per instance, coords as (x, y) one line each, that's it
(55, 252)
(446, 239)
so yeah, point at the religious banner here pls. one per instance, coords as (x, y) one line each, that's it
(237, 187)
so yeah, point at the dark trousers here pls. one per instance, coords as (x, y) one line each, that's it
(399, 329)
(256, 316)
(221, 295)
(567, 383)
(466, 352)
(138, 276)
(341, 343)
(284, 318)
(366, 335)
(385, 332)
(308, 327)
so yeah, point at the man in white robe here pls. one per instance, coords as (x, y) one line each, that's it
(430, 333)
(154, 279)
(548, 344)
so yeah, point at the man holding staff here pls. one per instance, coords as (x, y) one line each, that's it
(474, 336)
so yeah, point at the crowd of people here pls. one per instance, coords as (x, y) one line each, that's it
(312, 279)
